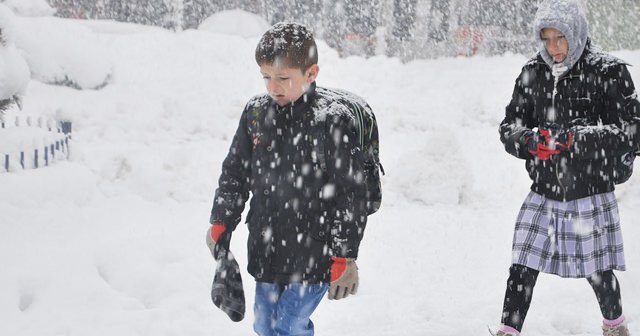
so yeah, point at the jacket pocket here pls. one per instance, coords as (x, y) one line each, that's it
(258, 228)
(319, 228)
(319, 233)
(582, 108)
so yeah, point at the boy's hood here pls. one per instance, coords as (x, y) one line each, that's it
(569, 17)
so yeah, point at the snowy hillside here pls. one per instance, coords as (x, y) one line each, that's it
(112, 242)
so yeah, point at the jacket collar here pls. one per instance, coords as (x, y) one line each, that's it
(300, 104)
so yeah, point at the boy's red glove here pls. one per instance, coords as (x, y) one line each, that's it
(344, 278)
(218, 240)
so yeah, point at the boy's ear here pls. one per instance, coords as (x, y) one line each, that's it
(312, 73)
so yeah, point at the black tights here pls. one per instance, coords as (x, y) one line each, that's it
(520, 285)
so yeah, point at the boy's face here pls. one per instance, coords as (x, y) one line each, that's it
(285, 84)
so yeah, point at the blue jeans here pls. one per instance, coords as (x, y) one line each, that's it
(284, 310)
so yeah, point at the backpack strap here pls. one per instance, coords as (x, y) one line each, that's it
(318, 136)
(253, 120)
(365, 124)
(359, 115)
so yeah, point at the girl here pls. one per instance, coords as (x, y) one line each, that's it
(572, 117)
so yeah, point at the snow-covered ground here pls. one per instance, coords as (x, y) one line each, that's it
(111, 242)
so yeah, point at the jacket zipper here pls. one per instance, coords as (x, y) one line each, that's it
(556, 80)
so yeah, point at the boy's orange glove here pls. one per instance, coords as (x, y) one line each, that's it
(344, 278)
(218, 240)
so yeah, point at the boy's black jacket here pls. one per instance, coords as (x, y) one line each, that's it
(299, 214)
(596, 99)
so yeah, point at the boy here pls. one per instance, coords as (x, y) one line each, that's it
(308, 210)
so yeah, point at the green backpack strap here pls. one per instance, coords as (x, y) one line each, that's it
(361, 131)
(253, 120)
(318, 137)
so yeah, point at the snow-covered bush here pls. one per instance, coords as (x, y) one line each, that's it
(14, 72)
(235, 22)
(14, 75)
(59, 51)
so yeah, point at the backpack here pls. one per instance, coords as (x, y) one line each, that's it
(366, 132)
(368, 142)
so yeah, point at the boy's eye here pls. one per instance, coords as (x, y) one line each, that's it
(283, 78)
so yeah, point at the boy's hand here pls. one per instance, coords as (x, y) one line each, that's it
(344, 278)
(216, 234)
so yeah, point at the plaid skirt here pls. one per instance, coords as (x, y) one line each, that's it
(571, 239)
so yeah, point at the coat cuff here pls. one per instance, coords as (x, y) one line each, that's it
(343, 248)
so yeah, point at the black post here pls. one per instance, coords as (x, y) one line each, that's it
(66, 127)
(35, 156)
(6, 162)
(46, 155)
(22, 159)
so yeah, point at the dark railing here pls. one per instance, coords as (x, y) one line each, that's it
(51, 151)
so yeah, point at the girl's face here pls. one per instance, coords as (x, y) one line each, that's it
(555, 43)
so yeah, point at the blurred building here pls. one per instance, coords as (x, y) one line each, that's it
(407, 29)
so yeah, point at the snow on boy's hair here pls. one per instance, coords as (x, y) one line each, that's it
(287, 44)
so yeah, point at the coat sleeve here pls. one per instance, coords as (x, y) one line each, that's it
(346, 186)
(518, 117)
(233, 184)
(618, 132)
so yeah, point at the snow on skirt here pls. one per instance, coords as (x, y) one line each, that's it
(571, 239)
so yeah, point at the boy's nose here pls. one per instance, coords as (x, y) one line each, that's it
(272, 87)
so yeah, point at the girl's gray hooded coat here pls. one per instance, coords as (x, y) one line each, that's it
(569, 17)
(594, 98)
